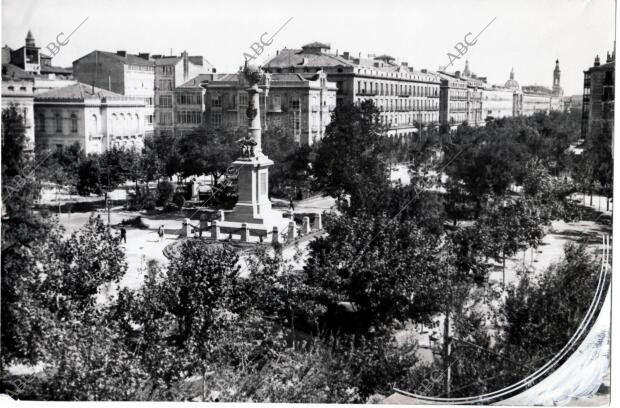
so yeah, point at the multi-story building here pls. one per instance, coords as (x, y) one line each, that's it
(405, 97)
(452, 98)
(535, 99)
(27, 72)
(499, 102)
(189, 104)
(18, 91)
(598, 97)
(300, 102)
(171, 72)
(95, 118)
(453, 108)
(121, 73)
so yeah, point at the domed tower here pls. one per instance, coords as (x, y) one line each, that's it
(30, 40)
(466, 72)
(512, 83)
(557, 89)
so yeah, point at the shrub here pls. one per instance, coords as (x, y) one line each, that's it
(179, 199)
(165, 191)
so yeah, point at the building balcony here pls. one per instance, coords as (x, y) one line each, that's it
(404, 94)
(367, 93)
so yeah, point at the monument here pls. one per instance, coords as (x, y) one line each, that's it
(253, 215)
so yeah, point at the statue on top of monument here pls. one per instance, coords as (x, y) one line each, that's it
(247, 146)
(252, 73)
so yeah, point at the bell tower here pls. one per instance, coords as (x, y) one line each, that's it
(557, 89)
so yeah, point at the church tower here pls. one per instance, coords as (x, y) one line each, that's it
(557, 89)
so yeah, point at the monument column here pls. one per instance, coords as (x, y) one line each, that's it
(253, 206)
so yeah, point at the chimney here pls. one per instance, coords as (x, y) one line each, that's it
(144, 55)
(404, 64)
(345, 55)
(424, 71)
(457, 74)
(121, 53)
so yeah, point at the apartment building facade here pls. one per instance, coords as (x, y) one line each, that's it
(95, 118)
(405, 97)
(598, 97)
(296, 102)
(170, 73)
(121, 73)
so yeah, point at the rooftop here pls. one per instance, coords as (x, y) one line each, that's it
(10, 71)
(129, 59)
(77, 92)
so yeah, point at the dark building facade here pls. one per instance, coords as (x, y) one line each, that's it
(598, 97)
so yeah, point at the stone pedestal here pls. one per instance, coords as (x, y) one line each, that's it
(186, 229)
(215, 229)
(254, 207)
(275, 236)
(245, 233)
(318, 222)
(305, 226)
(292, 233)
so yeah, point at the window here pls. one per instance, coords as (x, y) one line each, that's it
(93, 125)
(275, 102)
(22, 88)
(216, 119)
(243, 99)
(74, 123)
(149, 101)
(149, 119)
(293, 103)
(216, 100)
(58, 123)
(165, 84)
(40, 123)
(165, 101)
(165, 118)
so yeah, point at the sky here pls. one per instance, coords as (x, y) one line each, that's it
(527, 35)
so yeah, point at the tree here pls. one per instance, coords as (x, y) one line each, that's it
(13, 141)
(388, 271)
(89, 176)
(89, 258)
(207, 151)
(150, 161)
(351, 161)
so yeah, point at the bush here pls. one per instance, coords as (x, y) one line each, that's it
(144, 200)
(136, 222)
(179, 199)
(165, 191)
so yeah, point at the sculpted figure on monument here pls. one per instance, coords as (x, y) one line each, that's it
(247, 146)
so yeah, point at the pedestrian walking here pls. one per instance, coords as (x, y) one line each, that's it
(291, 206)
(123, 234)
(161, 233)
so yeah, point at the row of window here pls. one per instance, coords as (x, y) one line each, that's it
(165, 70)
(120, 123)
(165, 101)
(147, 68)
(165, 85)
(405, 104)
(190, 98)
(21, 88)
(408, 119)
(376, 88)
(194, 117)
(40, 123)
